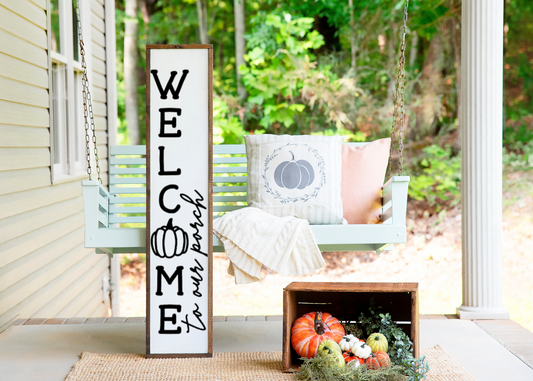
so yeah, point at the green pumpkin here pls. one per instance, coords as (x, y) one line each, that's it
(329, 348)
(377, 342)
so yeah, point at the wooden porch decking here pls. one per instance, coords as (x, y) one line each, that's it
(488, 349)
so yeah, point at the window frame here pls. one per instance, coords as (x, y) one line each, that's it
(66, 132)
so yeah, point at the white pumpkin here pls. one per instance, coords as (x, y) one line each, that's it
(348, 342)
(362, 350)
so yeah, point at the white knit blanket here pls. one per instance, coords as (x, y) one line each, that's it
(253, 238)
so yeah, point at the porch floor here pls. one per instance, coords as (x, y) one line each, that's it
(41, 349)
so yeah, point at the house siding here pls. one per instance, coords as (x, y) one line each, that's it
(45, 271)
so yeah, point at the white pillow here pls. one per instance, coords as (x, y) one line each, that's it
(296, 176)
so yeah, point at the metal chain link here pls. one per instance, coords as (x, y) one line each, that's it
(87, 105)
(399, 102)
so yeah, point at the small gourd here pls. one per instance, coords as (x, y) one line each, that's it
(329, 348)
(362, 350)
(350, 357)
(331, 345)
(377, 360)
(352, 360)
(348, 342)
(378, 342)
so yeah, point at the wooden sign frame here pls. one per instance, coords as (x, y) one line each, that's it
(180, 330)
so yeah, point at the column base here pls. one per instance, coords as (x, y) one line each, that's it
(481, 313)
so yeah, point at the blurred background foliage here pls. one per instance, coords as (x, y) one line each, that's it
(300, 77)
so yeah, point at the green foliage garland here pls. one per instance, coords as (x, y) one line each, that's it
(400, 345)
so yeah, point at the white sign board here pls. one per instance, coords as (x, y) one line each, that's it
(179, 206)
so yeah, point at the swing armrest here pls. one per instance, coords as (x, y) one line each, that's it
(95, 204)
(395, 200)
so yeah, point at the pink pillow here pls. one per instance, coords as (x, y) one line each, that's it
(363, 172)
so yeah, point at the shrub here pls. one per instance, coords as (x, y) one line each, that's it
(436, 177)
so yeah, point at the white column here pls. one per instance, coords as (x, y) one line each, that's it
(481, 135)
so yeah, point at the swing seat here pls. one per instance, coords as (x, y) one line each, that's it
(125, 204)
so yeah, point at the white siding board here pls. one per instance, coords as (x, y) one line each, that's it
(19, 247)
(21, 71)
(44, 267)
(99, 66)
(17, 47)
(17, 181)
(18, 136)
(98, 52)
(105, 180)
(102, 152)
(28, 10)
(103, 164)
(17, 25)
(97, 22)
(65, 271)
(19, 92)
(31, 284)
(61, 304)
(89, 295)
(101, 137)
(16, 226)
(99, 109)
(99, 95)
(100, 124)
(100, 311)
(98, 37)
(27, 265)
(99, 80)
(40, 3)
(91, 302)
(23, 115)
(20, 202)
(98, 9)
(23, 158)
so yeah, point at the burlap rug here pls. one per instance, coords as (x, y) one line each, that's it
(251, 366)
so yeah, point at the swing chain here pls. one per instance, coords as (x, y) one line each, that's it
(398, 116)
(87, 105)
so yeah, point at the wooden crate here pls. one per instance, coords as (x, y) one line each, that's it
(346, 301)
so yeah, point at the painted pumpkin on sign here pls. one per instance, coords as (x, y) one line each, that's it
(294, 174)
(312, 329)
(169, 241)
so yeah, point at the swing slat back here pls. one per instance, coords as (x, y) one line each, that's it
(125, 204)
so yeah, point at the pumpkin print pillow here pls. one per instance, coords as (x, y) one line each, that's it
(296, 176)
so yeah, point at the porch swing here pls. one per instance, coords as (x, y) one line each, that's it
(125, 201)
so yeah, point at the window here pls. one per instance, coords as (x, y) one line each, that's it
(68, 143)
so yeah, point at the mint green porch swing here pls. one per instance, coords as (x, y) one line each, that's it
(107, 212)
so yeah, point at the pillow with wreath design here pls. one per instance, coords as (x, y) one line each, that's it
(296, 176)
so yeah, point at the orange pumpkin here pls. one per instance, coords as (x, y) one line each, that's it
(377, 360)
(349, 356)
(311, 329)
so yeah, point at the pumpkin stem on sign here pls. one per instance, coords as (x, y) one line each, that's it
(169, 223)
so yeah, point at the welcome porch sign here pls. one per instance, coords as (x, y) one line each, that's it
(179, 201)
